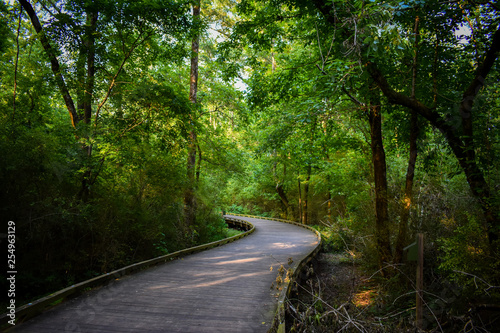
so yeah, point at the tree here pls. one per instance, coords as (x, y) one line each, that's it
(374, 30)
(189, 196)
(73, 28)
(458, 126)
(402, 236)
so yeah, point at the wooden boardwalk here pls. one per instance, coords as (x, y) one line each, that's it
(225, 289)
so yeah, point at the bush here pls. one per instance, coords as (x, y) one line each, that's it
(466, 257)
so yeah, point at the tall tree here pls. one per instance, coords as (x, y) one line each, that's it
(71, 36)
(189, 196)
(51, 54)
(402, 235)
(382, 233)
(457, 125)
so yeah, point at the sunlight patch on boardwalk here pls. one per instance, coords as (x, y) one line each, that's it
(225, 289)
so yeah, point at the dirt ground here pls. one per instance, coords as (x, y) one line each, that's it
(336, 297)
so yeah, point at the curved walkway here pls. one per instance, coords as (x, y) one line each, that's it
(225, 289)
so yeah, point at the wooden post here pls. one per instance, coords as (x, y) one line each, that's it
(420, 279)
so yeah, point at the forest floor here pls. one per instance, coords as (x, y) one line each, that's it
(338, 296)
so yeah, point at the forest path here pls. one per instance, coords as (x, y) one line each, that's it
(224, 289)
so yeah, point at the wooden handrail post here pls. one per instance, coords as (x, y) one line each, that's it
(420, 280)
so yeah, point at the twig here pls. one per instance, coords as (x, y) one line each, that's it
(478, 278)
(433, 314)
(319, 46)
(16, 62)
(354, 99)
(396, 314)
(135, 44)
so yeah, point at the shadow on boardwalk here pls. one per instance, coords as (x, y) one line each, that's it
(225, 289)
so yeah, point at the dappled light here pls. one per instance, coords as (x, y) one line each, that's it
(283, 245)
(223, 278)
(136, 133)
(364, 298)
(216, 286)
(237, 261)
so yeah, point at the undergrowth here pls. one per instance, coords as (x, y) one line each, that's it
(344, 292)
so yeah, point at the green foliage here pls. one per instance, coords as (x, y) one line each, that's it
(232, 232)
(306, 92)
(236, 209)
(135, 174)
(211, 228)
(298, 118)
(466, 258)
(4, 27)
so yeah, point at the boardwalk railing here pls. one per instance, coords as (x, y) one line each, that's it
(34, 308)
(279, 324)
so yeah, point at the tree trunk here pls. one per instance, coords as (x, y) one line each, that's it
(286, 206)
(462, 145)
(410, 173)
(283, 198)
(190, 203)
(198, 163)
(408, 198)
(16, 63)
(305, 211)
(300, 198)
(85, 104)
(89, 43)
(56, 68)
(382, 233)
(189, 195)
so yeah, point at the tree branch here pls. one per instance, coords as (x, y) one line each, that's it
(354, 99)
(56, 68)
(461, 142)
(16, 63)
(431, 115)
(136, 43)
(476, 85)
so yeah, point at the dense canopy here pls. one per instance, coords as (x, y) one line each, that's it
(128, 127)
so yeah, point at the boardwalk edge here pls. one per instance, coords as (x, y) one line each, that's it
(279, 325)
(30, 310)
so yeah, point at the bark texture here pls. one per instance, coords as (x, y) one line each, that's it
(402, 237)
(305, 209)
(190, 204)
(460, 140)
(382, 233)
(56, 68)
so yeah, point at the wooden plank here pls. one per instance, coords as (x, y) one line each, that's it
(420, 280)
(32, 309)
(225, 289)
